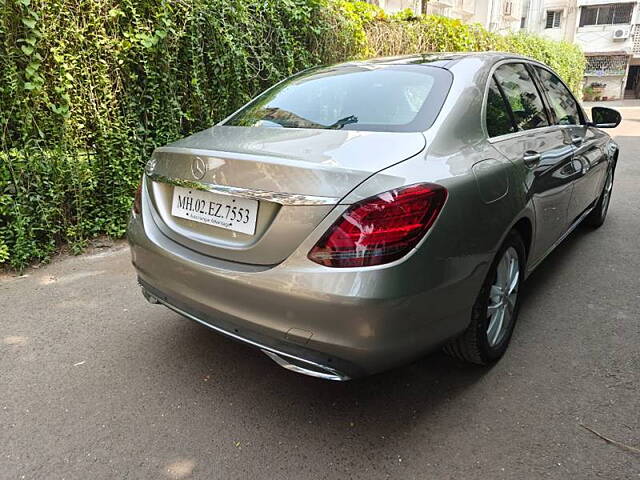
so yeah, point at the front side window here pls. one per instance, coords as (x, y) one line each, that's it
(614, 14)
(499, 120)
(522, 95)
(561, 101)
(352, 97)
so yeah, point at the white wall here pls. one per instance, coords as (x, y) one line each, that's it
(599, 38)
(613, 85)
(481, 12)
(591, 39)
(488, 13)
(537, 19)
(491, 15)
(393, 6)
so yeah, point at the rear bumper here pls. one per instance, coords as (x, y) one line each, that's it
(292, 357)
(336, 323)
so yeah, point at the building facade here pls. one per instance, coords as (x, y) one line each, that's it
(607, 32)
(495, 15)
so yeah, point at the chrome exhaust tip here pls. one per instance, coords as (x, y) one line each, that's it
(305, 367)
(150, 298)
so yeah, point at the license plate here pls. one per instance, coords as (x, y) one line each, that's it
(224, 211)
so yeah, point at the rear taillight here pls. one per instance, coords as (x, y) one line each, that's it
(380, 229)
(137, 200)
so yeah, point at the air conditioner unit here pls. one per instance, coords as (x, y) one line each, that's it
(621, 33)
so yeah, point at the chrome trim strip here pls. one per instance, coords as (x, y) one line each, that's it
(293, 199)
(520, 133)
(274, 354)
(507, 136)
(304, 371)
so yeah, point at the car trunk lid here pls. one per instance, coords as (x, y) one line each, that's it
(296, 176)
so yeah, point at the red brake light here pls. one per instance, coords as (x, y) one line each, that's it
(380, 229)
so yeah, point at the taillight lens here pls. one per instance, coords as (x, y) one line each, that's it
(137, 200)
(380, 229)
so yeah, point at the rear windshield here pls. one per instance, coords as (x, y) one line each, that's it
(398, 98)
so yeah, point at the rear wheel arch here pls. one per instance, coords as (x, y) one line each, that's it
(524, 227)
(473, 345)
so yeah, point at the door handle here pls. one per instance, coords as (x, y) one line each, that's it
(531, 158)
(577, 140)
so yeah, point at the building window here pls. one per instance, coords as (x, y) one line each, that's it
(553, 18)
(523, 22)
(507, 9)
(606, 14)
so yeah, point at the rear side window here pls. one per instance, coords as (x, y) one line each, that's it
(499, 121)
(393, 98)
(562, 103)
(522, 95)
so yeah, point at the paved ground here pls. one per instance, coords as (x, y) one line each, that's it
(97, 384)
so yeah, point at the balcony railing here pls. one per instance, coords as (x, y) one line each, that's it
(635, 48)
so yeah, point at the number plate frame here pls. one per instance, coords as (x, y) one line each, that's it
(224, 211)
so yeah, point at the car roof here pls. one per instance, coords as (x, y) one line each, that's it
(443, 59)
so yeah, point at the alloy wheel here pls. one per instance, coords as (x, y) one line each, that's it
(502, 297)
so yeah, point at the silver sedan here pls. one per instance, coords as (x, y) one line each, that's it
(351, 218)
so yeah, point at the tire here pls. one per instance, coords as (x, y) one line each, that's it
(477, 344)
(599, 214)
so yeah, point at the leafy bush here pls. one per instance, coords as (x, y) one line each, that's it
(565, 58)
(90, 88)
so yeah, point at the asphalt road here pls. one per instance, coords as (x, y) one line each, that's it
(97, 384)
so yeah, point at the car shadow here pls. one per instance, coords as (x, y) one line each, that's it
(381, 405)
(560, 257)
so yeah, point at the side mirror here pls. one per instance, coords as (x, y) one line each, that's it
(603, 117)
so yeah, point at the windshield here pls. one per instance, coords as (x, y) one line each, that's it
(352, 97)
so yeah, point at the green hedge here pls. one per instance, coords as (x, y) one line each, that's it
(90, 88)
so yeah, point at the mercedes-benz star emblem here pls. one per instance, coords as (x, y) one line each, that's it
(198, 168)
